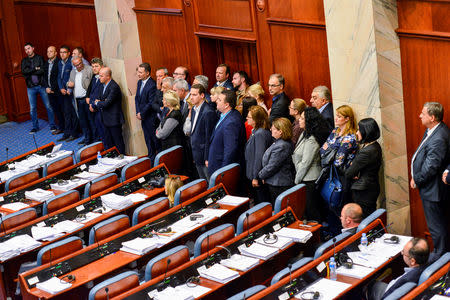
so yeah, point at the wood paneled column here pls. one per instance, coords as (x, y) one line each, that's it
(119, 44)
(365, 69)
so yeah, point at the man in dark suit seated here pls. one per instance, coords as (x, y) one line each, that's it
(280, 102)
(321, 99)
(110, 106)
(351, 216)
(415, 255)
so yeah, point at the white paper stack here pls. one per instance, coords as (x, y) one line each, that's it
(69, 185)
(218, 273)
(32, 162)
(356, 271)
(5, 175)
(67, 226)
(117, 162)
(380, 248)
(140, 246)
(328, 289)
(8, 250)
(240, 262)
(280, 242)
(87, 175)
(210, 212)
(53, 286)
(115, 201)
(297, 235)
(171, 293)
(24, 242)
(232, 200)
(15, 206)
(90, 216)
(258, 251)
(39, 195)
(101, 169)
(45, 233)
(136, 197)
(366, 259)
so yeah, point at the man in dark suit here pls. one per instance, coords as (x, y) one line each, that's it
(199, 126)
(427, 165)
(228, 138)
(181, 87)
(280, 102)
(351, 216)
(321, 99)
(94, 91)
(223, 77)
(147, 108)
(415, 255)
(446, 175)
(110, 106)
(51, 72)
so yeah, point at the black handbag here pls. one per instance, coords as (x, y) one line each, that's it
(328, 157)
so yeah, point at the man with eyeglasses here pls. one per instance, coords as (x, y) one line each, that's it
(280, 102)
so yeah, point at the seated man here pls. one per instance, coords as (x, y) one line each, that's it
(415, 255)
(351, 216)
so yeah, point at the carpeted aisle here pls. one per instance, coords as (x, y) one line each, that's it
(16, 137)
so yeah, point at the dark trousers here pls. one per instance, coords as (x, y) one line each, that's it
(314, 203)
(367, 199)
(113, 137)
(99, 127)
(274, 191)
(87, 122)
(434, 215)
(71, 119)
(152, 142)
(260, 193)
(58, 109)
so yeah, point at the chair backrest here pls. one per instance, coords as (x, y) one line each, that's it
(190, 190)
(57, 164)
(229, 176)
(431, 269)
(295, 266)
(150, 209)
(172, 158)
(136, 167)
(60, 201)
(329, 244)
(248, 292)
(17, 218)
(256, 215)
(401, 291)
(21, 179)
(158, 265)
(108, 228)
(116, 285)
(212, 238)
(99, 184)
(89, 151)
(295, 196)
(59, 249)
(379, 213)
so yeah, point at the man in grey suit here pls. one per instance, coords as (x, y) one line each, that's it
(427, 165)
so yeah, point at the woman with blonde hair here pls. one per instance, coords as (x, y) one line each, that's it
(256, 91)
(170, 131)
(215, 92)
(296, 109)
(172, 184)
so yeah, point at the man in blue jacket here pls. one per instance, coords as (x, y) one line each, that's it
(228, 138)
(94, 92)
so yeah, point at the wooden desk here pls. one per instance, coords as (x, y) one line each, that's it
(256, 275)
(273, 291)
(44, 149)
(101, 267)
(427, 283)
(12, 265)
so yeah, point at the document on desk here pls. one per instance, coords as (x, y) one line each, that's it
(218, 273)
(232, 200)
(53, 286)
(136, 197)
(8, 250)
(356, 271)
(328, 289)
(15, 206)
(5, 175)
(367, 260)
(66, 185)
(24, 242)
(171, 293)
(101, 169)
(275, 241)
(297, 235)
(45, 233)
(140, 246)
(67, 226)
(114, 201)
(439, 297)
(381, 248)
(87, 175)
(39, 195)
(211, 212)
(240, 262)
(90, 216)
(258, 251)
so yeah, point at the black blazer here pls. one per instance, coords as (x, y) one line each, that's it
(257, 144)
(327, 114)
(201, 136)
(53, 76)
(147, 103)
(176, 137)
(110, 105)
(411, 276)
(280, 108)
(430, 163)
(365, 165)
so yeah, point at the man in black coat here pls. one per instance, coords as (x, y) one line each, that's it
(446, 175)
(110, 106)
(280, 102)
(52, 89)
(321, 99)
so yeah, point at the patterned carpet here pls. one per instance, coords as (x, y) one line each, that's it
(16, 137)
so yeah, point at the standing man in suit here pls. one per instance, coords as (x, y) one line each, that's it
(147, 108)
(228, 138)
(199, 126)
(321, 99)
(110, 106)
(51, 72)
(94, 90)
(181, 87)
(427, 165)
(223, 77)
(78, 52)
(280, 102)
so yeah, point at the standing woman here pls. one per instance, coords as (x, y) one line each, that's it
(363, 172)
(306, 159)
(256, 91)
(278, 171)
(170, 131)
(247, 102)
(259, 141)
(296, 108)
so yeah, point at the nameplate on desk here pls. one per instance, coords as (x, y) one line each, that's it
(33, 280)
(83, 167)
(209, 201)
(141, 180)
(80, 207)
(276, 227)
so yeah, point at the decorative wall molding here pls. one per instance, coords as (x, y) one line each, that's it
(159, 11)
(295, 23)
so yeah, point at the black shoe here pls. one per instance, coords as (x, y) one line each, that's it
(71, 139)
(63, 138)
(57, 131)
(33, 131)
(83, 142)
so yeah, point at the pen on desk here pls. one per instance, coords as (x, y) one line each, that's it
(359, 256)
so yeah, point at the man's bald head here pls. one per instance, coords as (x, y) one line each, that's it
(416, 252)
(351, 215)
(51, 52)
(78, 63)
(105, 75)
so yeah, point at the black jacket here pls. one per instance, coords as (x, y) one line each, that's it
(176, 137)
(280, 108)
(327, 114)
(365, 166)
(110, 105)
(34, 66)
(411, 276)
(53, 84)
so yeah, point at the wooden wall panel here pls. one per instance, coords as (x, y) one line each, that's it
(300, 10)
(232, 14)
(425, 46)
(3, 81)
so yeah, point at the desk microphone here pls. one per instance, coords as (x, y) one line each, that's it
(287, 205)
(34, 138)
(96, 240)
(107, 293)
(290, 273)
(207, 245)
(248, 243)
(6, 155)
(384, 228)
(167, 268)
(334, 247)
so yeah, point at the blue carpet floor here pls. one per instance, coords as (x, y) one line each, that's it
(16, 137)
